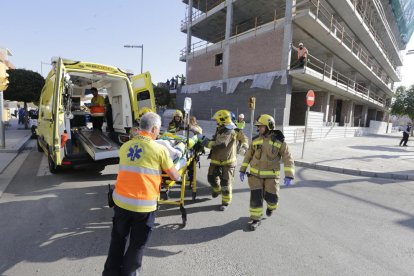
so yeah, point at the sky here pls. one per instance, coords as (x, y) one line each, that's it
(95, 31)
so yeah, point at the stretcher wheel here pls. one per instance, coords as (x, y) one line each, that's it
(183, 215)
(194, 196)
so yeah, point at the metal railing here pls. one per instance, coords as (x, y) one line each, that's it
(336, 28)
(198, 11)
(339, 80)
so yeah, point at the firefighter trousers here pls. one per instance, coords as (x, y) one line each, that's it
(221, 180)
(262, 188)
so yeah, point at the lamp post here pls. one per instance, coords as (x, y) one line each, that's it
(142, 52)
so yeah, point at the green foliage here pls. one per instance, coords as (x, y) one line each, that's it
(25, 86)
(162, 96)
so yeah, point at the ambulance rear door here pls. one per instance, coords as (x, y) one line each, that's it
(143, 93)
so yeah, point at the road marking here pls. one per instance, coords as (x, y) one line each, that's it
(43, 167)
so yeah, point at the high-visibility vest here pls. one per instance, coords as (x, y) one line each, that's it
(240, 125)
(98, 110)
(141, 163)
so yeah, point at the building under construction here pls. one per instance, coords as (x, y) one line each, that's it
(237, 49)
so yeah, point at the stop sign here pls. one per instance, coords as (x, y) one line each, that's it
(310, 98)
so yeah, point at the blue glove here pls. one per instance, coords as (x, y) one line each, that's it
(242, 174)
(288, 181)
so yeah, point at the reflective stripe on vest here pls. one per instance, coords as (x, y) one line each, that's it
(223, 163)
(97, 111)
(136, 205)
(264, 172)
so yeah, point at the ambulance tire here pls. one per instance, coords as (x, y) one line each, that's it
(39, 148)
(53, 168)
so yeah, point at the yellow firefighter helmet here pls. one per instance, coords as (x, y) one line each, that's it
(265, 120)
(178, 113)
(223, 117)
(144, 110)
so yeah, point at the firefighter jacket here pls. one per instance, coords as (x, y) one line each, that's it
(264, 155)
(223, 147)
(141, 162)
(242, 139)
(98, 106)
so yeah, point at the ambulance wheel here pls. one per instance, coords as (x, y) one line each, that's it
(39, 148)
(53, 168)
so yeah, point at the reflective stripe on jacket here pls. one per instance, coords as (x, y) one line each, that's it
(264, 156)
(97, 109)
(141, 163)
(224, 147)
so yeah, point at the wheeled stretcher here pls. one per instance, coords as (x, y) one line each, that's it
(186, 164)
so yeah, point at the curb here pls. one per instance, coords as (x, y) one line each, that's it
(19, 148)
(354, 171)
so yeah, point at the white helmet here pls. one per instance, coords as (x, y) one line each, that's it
(241, 116)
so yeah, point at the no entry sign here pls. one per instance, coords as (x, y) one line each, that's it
(310, 98)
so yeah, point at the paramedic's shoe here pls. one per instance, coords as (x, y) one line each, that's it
(269, 212)
(254, 225)
(223, 207)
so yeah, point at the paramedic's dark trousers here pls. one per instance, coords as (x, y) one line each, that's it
(139, 227)
(97, 122)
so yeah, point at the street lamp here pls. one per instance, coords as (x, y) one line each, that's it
(410, 52)
(142, 52)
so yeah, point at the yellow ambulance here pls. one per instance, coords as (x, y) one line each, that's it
(63, 131)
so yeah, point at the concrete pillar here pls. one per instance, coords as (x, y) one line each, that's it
(353, 79)
(189, 23)
(286, 52)
(327, 101)
(364, 116)
(351, 113)
(226, 42)
(330, 62)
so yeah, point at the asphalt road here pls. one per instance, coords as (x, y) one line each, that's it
(326, 224)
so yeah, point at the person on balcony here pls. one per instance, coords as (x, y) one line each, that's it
(302, 57)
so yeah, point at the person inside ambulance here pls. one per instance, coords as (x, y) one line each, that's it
(97, 109)
(264, 155)
(177, 122)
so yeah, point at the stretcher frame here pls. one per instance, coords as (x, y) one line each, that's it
(167, 183)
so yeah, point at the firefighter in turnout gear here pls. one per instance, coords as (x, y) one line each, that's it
(223, 148)
(264, 155)
(177, 122)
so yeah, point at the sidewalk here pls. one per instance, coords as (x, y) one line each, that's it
(372, 156)
(16, 138)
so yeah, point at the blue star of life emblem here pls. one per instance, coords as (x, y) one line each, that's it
(134, 153)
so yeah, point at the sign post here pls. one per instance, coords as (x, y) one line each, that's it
(252, 106)
(310, 101)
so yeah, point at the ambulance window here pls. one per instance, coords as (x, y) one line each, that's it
(144, 95)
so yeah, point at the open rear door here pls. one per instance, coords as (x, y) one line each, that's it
(57, 152)
(143, 92)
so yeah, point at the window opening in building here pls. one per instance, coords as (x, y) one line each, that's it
(219, 59)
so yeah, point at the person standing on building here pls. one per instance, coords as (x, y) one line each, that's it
(97, 109)
(406, 135)
(240, 122)
(264, 155)
(302, 57)
(223, 148)
(177, 122)
(137, 189)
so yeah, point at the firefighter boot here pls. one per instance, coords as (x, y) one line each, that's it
(254, 225)
(269, 212)
(224, 207)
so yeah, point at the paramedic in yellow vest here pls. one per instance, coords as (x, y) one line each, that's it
(223, 148)
(97, 109)
(240, 123)
(264, 155)
(136, 192)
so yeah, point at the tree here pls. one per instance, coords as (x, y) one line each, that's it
(162, 95)
(404, 102)
(24, 86)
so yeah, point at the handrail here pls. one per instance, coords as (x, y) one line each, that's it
(197, 12)
(340, 79)
(338, 30)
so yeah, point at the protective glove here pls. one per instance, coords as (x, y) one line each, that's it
(205, 141)
(288, 181)
(179, 179)
(242, 151)
(242, 175)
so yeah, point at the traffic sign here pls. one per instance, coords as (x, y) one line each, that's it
(310, 98)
